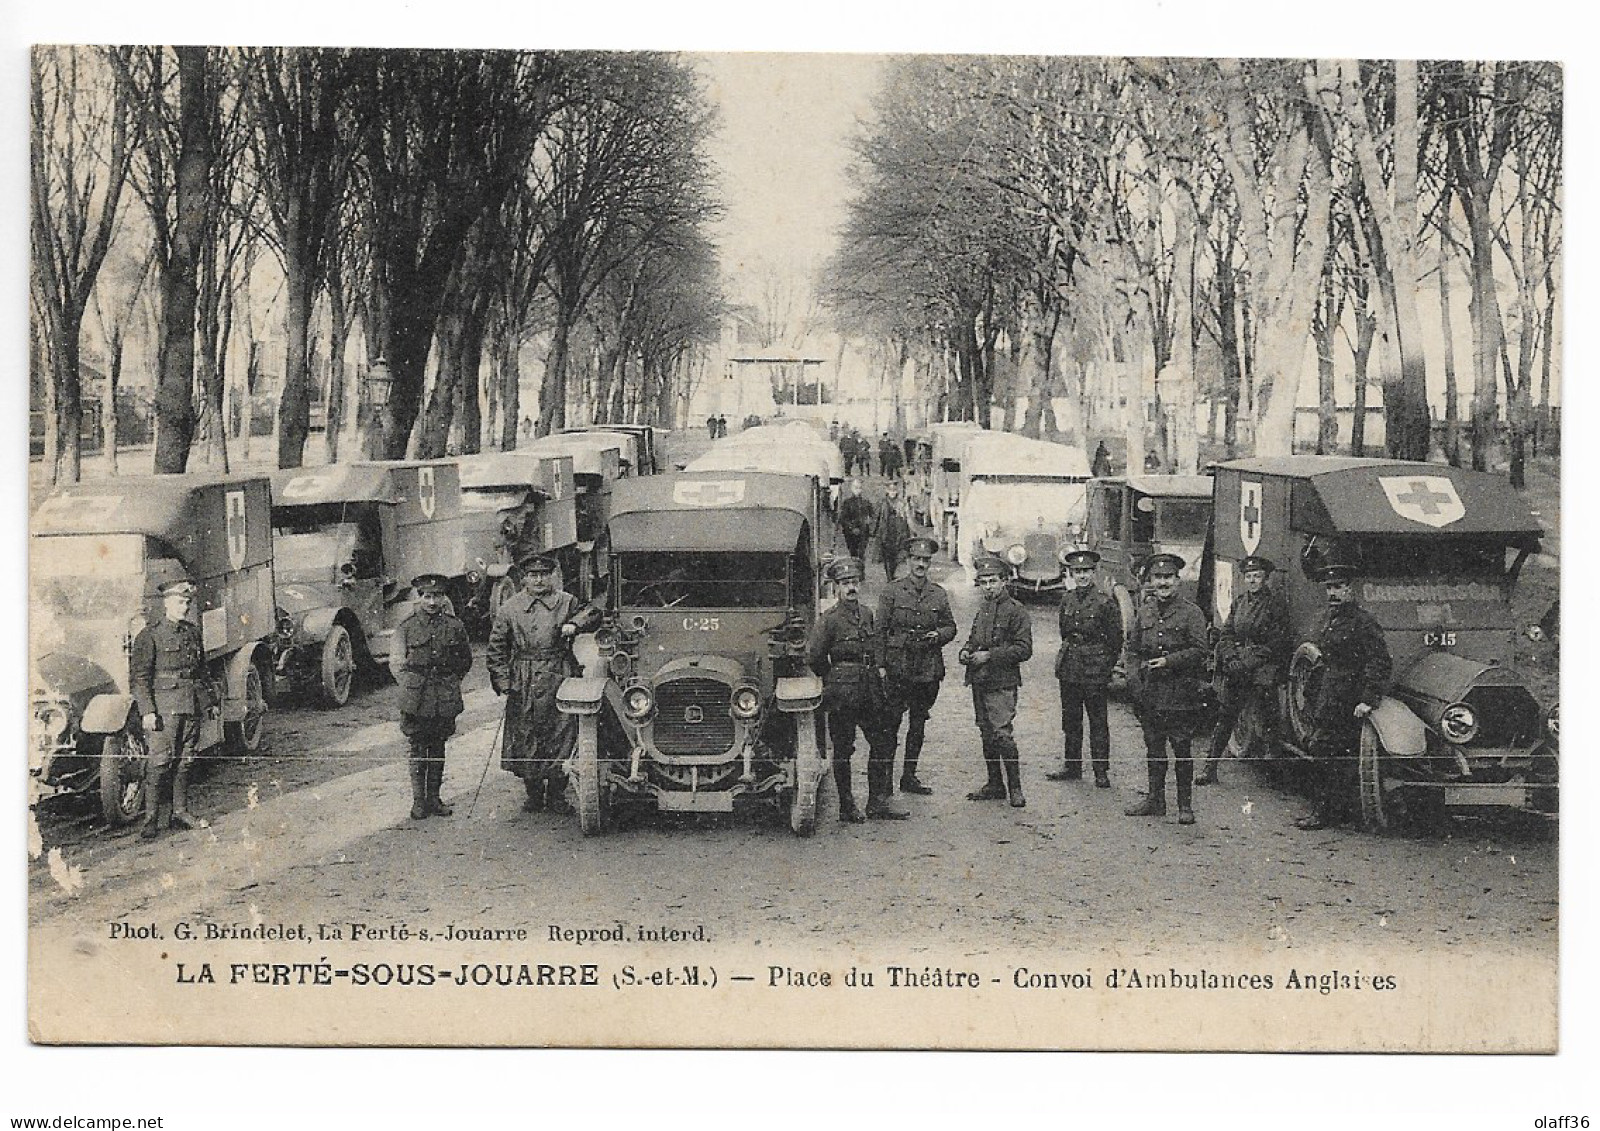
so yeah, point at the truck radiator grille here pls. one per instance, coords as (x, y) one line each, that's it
(1041, 548)
(679, 703)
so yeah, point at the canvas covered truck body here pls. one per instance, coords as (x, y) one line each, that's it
(513, 504)
(99, 552)
(646, 458)
(1022, 501)
(1438, 552)
(936, 495)
(598, 463)
(1133, 517)
(349, 540)
(697, 697)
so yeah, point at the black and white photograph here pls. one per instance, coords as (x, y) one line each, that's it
(642, 547)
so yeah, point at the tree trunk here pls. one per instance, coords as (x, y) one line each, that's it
(108, 422)
(1366, 330)
(434, 433)
(1452, 395)
(175, 383)
(1327, 408)
(510, 378)
(338, 343)
(553, 389)
(1484, 309)
(66, 383)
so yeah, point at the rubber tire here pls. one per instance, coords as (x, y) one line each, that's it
(1305, 676)
(808, 771)
(592, 815)
(337, 672)
(1375, 815)
(244, 736)
(122, 766)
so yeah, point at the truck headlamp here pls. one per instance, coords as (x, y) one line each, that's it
(746, 703)
(1016, 554)
(50, 721)
(637, 703)
(1458, 724)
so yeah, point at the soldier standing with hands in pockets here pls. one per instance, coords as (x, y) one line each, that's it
(1091, 642)
(1001, 640)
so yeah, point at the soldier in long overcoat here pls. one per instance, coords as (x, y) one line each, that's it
(530, 653)
(1167, 654)
(167, 680)
(1252, 651)
(1355, 676)
(844, 651)
(1000, 642)
(430, 656)
(916, 623)
(1091, 642)
(857, 520)
(892, 531)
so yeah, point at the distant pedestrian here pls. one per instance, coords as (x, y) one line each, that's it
(856, 520)
(1001, 640)
(892, 530)
(1101, 467)
(722, 427)
(711, 427)
(888, 456)
(430, 656)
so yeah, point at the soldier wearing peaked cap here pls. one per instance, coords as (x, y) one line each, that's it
(1000, 642)
(845, 650)
(530, 653)
(1355, 676)
(1252, 651)
(429, 658)
(1091, 642)
(170, 691)
(1167, 652)
(916, 623)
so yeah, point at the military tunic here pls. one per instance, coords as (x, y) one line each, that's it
(528, 658)
(430, 656)
(1356, 669)
(844, 651)
(1091, 642)
(907, 611)
(894, 535)
(856, 519)
(167, 678)
(1252, 649)
(1169, 698)
(1001, 628)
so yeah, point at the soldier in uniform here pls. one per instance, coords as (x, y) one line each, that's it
(856, 519)
(167, 668)
(1001, 640)
(1251, 652)
(843, 650)
(893, 532)
(430, 656)
(530, 653)
(916, 623)
(1167, 650)
(1091, 642)
(1355, 676)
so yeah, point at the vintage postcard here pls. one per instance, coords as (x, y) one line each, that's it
(672, 550)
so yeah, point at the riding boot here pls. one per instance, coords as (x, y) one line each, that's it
(435, 783)
(419, 787)
(1155, 802)
(909, 782)
(1071, 765)
(995, 788)
(1013, 769)
(880, 788)
(534, 801)
(181, 817)
(150, 827)
(849, 812)
(1208, 766)
(1185, 773)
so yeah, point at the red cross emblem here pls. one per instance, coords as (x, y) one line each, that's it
(1249, 515)
(709, 493)
(238, 538)
(1428, 499)
(427, 496)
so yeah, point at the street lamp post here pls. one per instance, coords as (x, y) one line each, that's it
(376, 385)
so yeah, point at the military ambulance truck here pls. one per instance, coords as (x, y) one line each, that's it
(514, 504)
(1438, 551)
(349, 538)
(99, 552)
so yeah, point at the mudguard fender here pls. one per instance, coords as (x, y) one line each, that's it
(315, 625)
(106, 714)
(580, 695)
(496, 570)
(796, 693)
(1400, 731)
(239, 665)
